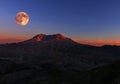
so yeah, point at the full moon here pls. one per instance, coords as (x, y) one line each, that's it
(22, 18)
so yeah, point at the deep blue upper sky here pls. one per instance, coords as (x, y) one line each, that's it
(84, 19)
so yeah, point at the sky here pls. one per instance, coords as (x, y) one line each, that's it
(94, 22)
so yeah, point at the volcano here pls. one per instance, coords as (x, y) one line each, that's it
(57, 56)
(59, 50)
(43, 38)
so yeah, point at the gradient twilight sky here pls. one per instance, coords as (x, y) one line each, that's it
(86, 21)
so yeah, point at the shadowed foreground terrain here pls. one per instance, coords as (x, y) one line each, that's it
(56, 59)
(12, 73)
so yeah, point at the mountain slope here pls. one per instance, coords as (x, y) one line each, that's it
(60, 50)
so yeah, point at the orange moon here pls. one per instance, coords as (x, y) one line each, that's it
(22, 18)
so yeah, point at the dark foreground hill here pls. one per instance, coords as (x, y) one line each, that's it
(57, 59)
(12, 73)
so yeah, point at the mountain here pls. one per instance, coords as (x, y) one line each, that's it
(60, 50)
(48, 38)
(57, 59)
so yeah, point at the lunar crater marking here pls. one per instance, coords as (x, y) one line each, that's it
(22, 18)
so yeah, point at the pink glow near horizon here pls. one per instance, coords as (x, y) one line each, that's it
(98, 42)
(9, 39)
